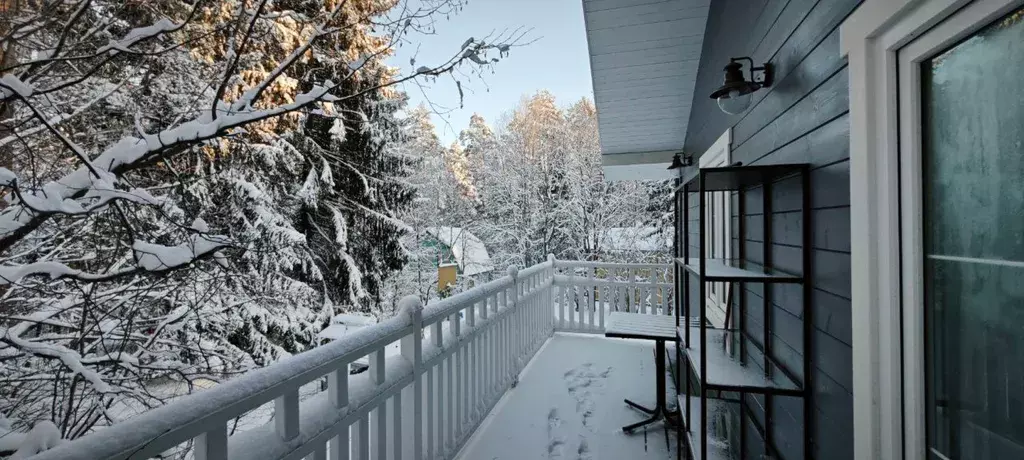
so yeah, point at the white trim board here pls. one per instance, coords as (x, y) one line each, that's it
(718, 204)
(875, 39)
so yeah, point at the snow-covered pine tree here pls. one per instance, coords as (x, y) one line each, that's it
(354, 227)
(147, 237)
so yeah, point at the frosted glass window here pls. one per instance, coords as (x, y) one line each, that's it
(973, 166)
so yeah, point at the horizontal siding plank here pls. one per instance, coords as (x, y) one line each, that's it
(829, 356)
(830, 271)
(831, 312)
(826, 102)
(829, 189)
(786, 92)
(824, 145)
(830, 228)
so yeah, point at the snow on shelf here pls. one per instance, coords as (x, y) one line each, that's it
(718, 448)
(726, 372)
(737, 270)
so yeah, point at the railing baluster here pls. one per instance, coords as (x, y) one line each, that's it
(623, 297)
(213, 444)
(492, 361)
(431, 422)
(641, 294)
(337, 392)
(361, 438)
(286, 415)
(514, 272)
(340, 445)
(591, 301)
(632, 289)
(412, 351)
(396, 430)
(468, 357)
(378, 415)
(464, 383)
(337, 387)
(319, 453)
(605, 294)
(450, 412)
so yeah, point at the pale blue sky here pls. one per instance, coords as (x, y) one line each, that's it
(558, 61)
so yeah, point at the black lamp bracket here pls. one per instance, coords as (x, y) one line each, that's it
(766, 71)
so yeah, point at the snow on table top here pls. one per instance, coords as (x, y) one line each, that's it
(568, 404)
(640, 325)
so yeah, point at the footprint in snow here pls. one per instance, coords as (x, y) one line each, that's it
(555, 440)
(582, 382)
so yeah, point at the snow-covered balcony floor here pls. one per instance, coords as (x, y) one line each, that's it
(569, 405)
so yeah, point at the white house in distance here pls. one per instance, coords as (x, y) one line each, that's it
(460, 246)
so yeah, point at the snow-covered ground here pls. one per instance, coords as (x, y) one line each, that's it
(568, 405)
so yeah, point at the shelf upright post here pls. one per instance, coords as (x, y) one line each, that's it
(686, 306)
(808, 313)
(702, 300)
(766, 254)
(740, 314)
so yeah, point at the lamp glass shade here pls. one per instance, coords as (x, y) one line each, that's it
(735, 101)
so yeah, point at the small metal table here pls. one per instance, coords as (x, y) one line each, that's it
(658, 328)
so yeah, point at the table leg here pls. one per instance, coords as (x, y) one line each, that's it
(659, 366)
(660, 411)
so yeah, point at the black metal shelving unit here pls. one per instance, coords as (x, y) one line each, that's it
(716, 360)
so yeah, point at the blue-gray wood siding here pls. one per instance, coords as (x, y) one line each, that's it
(803, 117)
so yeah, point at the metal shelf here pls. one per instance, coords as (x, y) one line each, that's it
(715, 368)
(738, 270)
(734, 178)
(718, 449)
(726, 372)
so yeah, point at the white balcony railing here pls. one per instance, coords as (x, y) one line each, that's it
(585, 292)
(458, 357)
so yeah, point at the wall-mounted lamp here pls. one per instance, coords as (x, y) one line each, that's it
(680, 161)
(734, 95)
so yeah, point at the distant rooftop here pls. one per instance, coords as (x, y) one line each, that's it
(469, 251)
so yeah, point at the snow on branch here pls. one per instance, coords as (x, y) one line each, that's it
(149, 257)
(139, 34)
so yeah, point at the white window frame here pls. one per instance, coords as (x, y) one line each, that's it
(718, 225)
(888, 321)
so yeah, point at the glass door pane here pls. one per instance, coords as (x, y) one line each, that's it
(973, 197)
